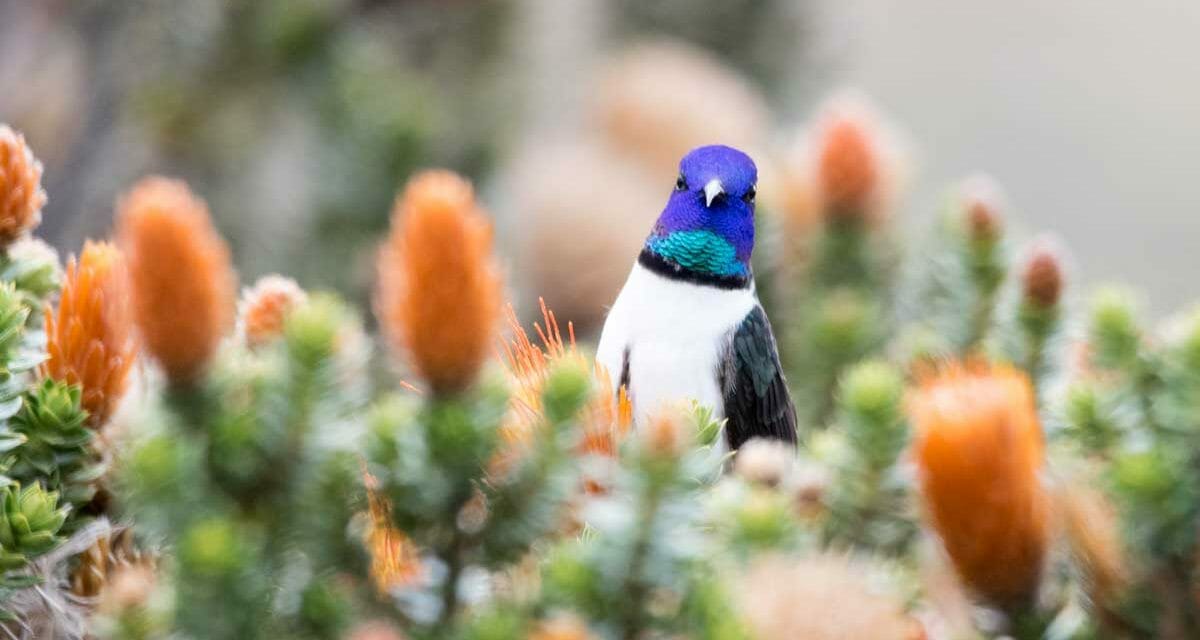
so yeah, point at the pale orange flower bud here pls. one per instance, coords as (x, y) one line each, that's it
(183, 282)
(979, 450)
(21, 194)
(823, 597)
(666, 433)
(90, 337)
(439, 286)
(375, 630)
(561, 627)
(265, 306)
(850, 174)
(130, 586)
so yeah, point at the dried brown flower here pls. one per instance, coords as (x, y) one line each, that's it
(979, 450)
(90, 336)
(264, 308)
(115, 568)
(21, 194)
(981, 205)
(183, 282)
(1042, 276)
(439, 285)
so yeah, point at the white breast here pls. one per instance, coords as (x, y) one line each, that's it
(674, 332)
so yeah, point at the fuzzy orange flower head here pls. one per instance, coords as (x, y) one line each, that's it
(90, 336)
(184, 286)
(852, 180)
(606, 417)
(21, 194)
(439, 296)
(979, 446)
(265, 306)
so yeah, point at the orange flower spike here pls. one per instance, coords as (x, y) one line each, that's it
(439, 285)
(21, 194)
(849, 172)
(265, 306)
(183, 282)
(979, 450)
(90, 336)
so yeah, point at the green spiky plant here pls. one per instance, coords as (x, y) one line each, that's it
(29, 526)
(253, 491)
(48, 467)
(490, 504)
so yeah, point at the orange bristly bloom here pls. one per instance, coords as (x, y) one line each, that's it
(849, 171)
(183, 282)
(394, 558)
(90, 337)
(979, 450)
(21, 194)
(265, 306)
(439, 285)
(607, 416)
(528, 364)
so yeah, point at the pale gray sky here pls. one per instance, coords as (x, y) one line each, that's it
(1087, 111)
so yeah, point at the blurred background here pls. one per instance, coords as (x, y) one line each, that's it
(298, 120)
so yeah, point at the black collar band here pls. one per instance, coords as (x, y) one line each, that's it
(675, 271)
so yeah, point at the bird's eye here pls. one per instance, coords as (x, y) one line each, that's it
(749, 197)
(681, 183)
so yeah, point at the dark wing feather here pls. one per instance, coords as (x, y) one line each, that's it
(757, 402)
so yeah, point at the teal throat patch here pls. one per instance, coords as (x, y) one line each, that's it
(699, 250)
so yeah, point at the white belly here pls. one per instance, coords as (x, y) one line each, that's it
(675, 333)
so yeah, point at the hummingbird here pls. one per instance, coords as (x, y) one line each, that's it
(688, 323)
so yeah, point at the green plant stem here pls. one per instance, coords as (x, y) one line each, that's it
(632, 621)
(454, 568)
(190, 401)
(981, 316)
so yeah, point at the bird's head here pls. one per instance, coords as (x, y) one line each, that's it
(708, 223)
